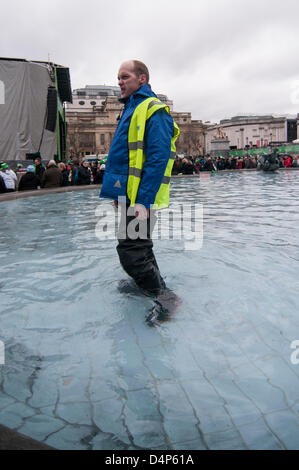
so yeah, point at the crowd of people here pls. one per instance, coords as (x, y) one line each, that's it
(51, 175)
(190, 165)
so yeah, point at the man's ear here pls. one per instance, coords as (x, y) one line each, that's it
(142, 79)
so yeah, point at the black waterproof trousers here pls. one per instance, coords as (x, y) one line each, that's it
(136, 252)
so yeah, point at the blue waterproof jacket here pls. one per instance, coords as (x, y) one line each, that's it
(158, 134)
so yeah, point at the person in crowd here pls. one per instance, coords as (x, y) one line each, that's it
(65, 174)
(239, 164)
(227, 163)
(288, 162)
(209, 165)
(233, 163)
(39, 167)
(52, 177)
(9, 178)
(98, 175)
(69, 170)
(202, 163)
(94, 170)
(20, 168)
(252, 162)
(29, 180)
(197, 166)
(221, 163)
(295, 161)
(187, 166)
(83, 174)
(246, 162)
(101, 172)
(2, 185)
(74, 167)
(103, 166)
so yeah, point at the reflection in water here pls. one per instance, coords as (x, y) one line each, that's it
(83, 369)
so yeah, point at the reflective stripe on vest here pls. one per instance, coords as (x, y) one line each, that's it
(136, 145)
(137, 156)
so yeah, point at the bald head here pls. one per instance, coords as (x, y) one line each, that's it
(131, 76)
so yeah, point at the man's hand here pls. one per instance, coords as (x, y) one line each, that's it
(140, 212)
(115, 204)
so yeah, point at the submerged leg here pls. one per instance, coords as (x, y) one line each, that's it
(165, 306)
(138, 260)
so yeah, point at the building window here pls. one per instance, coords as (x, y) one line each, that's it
(86, 139)
(81, 103)
(102, 139)
(93, 103)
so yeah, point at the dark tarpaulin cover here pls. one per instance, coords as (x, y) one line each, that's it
(23, 111)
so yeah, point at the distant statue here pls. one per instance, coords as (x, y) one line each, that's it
(269, 162)
(220, 135)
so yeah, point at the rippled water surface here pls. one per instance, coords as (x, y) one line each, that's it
(84, 371)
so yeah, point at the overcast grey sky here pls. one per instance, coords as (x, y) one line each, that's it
(215, 58)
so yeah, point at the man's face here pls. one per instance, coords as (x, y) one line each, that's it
(128, 80)
(37, 161)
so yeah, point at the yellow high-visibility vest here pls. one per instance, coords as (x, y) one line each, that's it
(137, 156)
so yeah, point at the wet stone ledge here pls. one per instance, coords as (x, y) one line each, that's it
(42, 192)
(12, 440)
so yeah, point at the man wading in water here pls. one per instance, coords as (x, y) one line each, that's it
(138, 172)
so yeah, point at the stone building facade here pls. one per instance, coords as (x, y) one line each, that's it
(192, 138)
(92, 120)
(254, 131)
